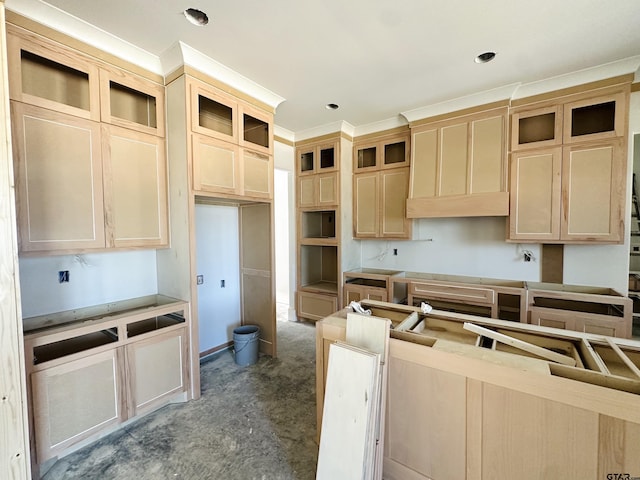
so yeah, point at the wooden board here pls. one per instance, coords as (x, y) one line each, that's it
(351, 382)
(14, 461)
(372, 333)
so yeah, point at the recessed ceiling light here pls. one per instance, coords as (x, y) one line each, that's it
(196, 16)
(332, 106)
(485, 57)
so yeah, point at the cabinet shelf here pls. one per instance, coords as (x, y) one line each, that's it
(322, 286)
(318, 224)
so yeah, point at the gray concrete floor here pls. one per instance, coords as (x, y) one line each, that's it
(255, 422)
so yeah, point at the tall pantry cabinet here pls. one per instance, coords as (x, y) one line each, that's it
(325, 246)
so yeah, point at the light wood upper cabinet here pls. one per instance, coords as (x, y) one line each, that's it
(131, 102)
(380, 185)
(231, 144)
(569, 194)
(80, 188)
(593, 192)
(535, 195)
(458, 167)
(573, 190)
(379, 152)
(216, 165)
(318, 190)
(541, 127)
(595, 118)
(213, 113)
(318, 158)
(257, 175)
(135, 188)
(257, 131)
(58, 169)
(50, 75)
(379, 207)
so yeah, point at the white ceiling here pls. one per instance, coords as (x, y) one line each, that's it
(376, 58)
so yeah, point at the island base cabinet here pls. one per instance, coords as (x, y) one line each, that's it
(74, 400)
(156, 370)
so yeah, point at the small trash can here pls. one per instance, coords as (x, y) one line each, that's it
(245, 344)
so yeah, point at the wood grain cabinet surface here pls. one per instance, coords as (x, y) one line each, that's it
(568, 169)
(91, 369)
(231, 145)
(90, 155)
(458, 410)
(458, 166)
(379, 207)
(380, 185)
(58, 170)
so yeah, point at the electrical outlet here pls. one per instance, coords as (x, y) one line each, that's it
(63, 276)
(199, 279)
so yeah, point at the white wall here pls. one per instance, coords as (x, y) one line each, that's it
(94, 279)
(217, 258)
(456, 246)
(281, 180)
(284, 159)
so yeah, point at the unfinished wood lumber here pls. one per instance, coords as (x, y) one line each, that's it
(521, 344)
(352, 380)
(372, 333)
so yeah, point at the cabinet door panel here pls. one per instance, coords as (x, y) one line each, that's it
(546, 317)
(510, 422)
(59, 180)
(135, 188)
(49, 75)
(393, 203)
(155, 369)
(131, 101)
(487, 154)
(75, 400)
(424, 165)
(313, 306)
(328, 189)
(453, 160)
(442, 451)
(213, 114)
(366, 205)
(593, 191)
(257, 175)
(535, 195)
(307, 191)
(215, 165)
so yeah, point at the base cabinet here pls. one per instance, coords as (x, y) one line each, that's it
(155, 370)
(75, 400)
(456, 411)
(88, 378)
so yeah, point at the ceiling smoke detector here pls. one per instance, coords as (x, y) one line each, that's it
(485, 57)
(197, 17)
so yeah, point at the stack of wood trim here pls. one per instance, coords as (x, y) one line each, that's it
(351, 444)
